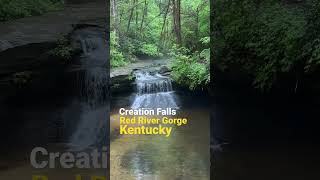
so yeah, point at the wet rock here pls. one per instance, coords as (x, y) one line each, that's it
(128, 69)
(122, 84)
(164, 70)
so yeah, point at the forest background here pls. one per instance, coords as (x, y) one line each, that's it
(178, 30)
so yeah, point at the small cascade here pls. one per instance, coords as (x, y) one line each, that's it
(89, 45)
(84, 47)
(91, 131)
(93, 86)
(93, 82)
(153, 91)
(148, 84)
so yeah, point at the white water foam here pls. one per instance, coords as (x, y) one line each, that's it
(153, 91)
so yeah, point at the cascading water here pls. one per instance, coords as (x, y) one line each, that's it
(93, 83)
(153, 91)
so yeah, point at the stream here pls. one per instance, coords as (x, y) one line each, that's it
(184, 155)
(69, 111)
(153, 91)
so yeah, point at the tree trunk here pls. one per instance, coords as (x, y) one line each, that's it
(115, 16)
(131, 14)
(137, 15)
(144, 14)
(177, 20)
(197, 23)
(165, 20)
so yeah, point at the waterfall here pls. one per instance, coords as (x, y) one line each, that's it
(153, 91)
(93, 82)
(84, 46)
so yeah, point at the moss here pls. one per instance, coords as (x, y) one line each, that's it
(63, 50)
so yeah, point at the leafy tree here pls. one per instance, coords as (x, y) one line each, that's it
(266, 39)
(157, 28)
(117, 58)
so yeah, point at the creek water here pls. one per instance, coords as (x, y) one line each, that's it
(263, 137)
(153, 91)
(183, 155)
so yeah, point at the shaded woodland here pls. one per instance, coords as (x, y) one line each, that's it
(275, 44)
(174, 29)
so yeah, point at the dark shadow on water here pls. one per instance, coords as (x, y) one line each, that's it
(266, 136)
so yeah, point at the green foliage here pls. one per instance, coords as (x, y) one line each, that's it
(195, 22)
(191, 70)
(205, 53)
(128, 47)
(145, 28)
(205, 40)
(265, 39)
(63, 50)
(311, 49)
(14, 9)
(150, 50)
(148, 32)
(117, 59)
